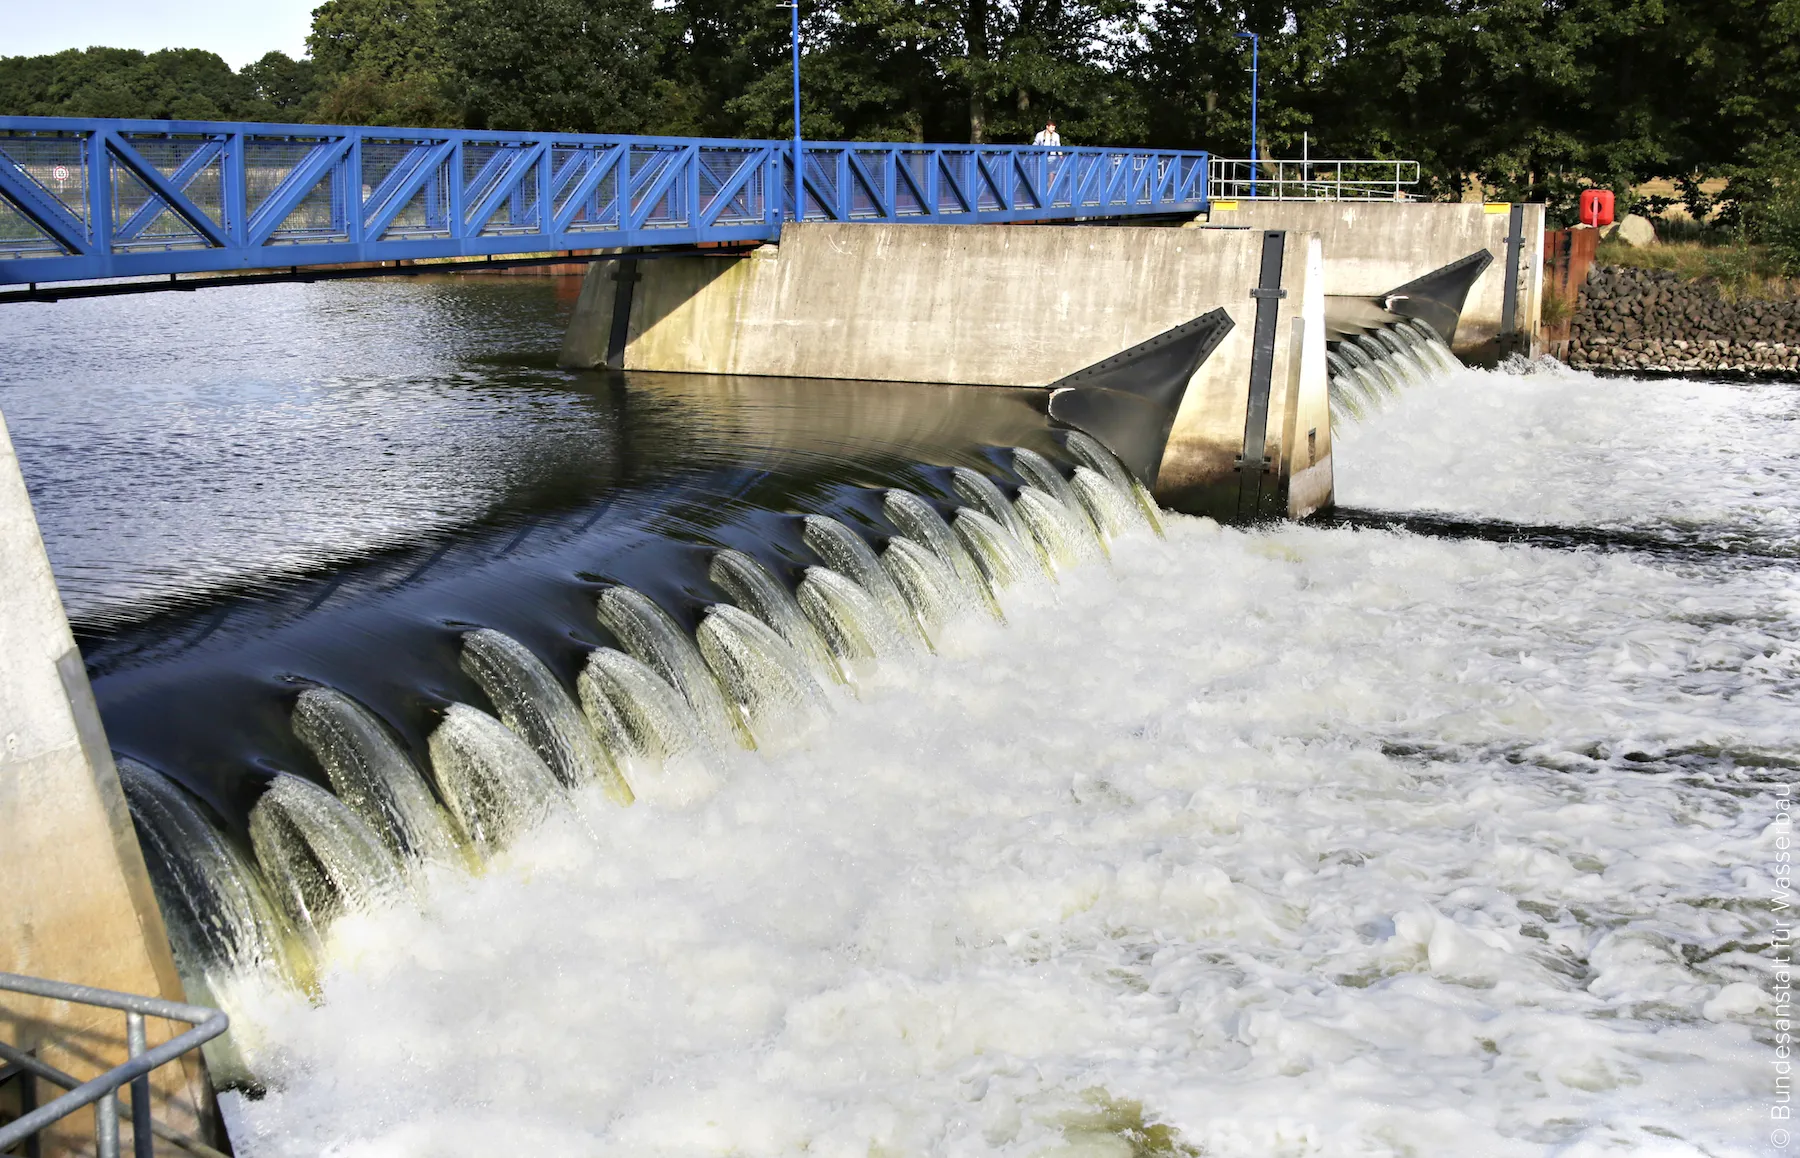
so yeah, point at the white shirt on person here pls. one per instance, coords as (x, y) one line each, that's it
(1047, 137)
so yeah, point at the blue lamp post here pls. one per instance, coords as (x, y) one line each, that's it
(1255, 45)
(799, 156)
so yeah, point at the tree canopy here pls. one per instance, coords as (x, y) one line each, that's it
(1533, 98)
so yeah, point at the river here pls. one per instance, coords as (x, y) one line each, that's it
(1448, 827)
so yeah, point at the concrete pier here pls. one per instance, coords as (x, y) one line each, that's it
(75, 899)
(1008, 306)
(1372, 247)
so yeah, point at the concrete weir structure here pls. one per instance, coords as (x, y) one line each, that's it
(1374, 247)
(1057, 308)
(75, 898)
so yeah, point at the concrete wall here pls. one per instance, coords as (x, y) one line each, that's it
(1305, 409)
(75, 900)
(978, 305)
(1375, 246)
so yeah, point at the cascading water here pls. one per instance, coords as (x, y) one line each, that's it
(1112, 511)
(1041, 474)
(655, 639)
(753, 588)
(1289, 838)
(650, 730)
(1096, 457)
(920, 521)
(1430, 344)
(1351, 394)
(318, 857)
(534, 705)
(650, 720)
(928, 586)
(494, 785)
(983, 495)
(1369, 368)
(859, 631)
(1380, 363)
(1004, 560)
(1063, 537)
(849, 554)
(377, 780)
(780, 699)
(226, 934)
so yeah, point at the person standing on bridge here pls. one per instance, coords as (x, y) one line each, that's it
(1049, 166)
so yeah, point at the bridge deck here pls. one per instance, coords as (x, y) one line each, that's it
(86, 199)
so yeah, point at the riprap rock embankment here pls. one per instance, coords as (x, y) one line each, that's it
(1655, 320)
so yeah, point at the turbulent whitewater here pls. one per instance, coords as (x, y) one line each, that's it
(1310, 840)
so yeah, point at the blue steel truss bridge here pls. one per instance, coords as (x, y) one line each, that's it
(83, 200)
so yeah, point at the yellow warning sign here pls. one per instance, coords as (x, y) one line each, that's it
(1223, 205)
(1497, 206)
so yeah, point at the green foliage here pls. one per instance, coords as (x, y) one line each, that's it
(1739, 268)
(174, 84)
(1523, 98)
(1774, 220)
(582, 66)
(280, 88)
(382, 62)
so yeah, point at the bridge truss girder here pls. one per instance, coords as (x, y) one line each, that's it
(85, 199)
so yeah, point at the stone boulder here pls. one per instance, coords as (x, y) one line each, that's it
(1634, 230)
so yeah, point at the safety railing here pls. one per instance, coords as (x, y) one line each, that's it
(85, 199)
(103, 1092)
(1234, 179)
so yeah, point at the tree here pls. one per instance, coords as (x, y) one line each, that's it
(1527, 98)
(870, 71)
(381, 62)
(590, 66)
(280, 88)
(174, 84)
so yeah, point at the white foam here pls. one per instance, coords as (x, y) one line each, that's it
(1565, 447)
(1312, 842)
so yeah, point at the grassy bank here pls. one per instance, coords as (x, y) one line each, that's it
(1741, 271)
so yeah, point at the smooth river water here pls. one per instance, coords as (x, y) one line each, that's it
(1456, 826)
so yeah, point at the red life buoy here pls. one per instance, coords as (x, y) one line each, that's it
(1596, 207)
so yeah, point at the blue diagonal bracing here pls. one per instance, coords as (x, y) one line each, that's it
(267, 197)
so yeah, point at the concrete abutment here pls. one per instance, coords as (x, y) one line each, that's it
(75, 898)
(1374, 247)
(1010, 306)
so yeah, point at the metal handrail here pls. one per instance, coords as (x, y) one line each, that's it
(100, 1092)
(18, 1061)
(1312, 179)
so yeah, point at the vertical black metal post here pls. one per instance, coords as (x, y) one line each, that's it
(1509, 301)
(34, 1145)
(1268, 294)
(625, 277)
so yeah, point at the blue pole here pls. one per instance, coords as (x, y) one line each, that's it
(1255, 45)
(799, 155)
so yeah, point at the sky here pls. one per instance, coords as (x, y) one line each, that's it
(238, 30)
